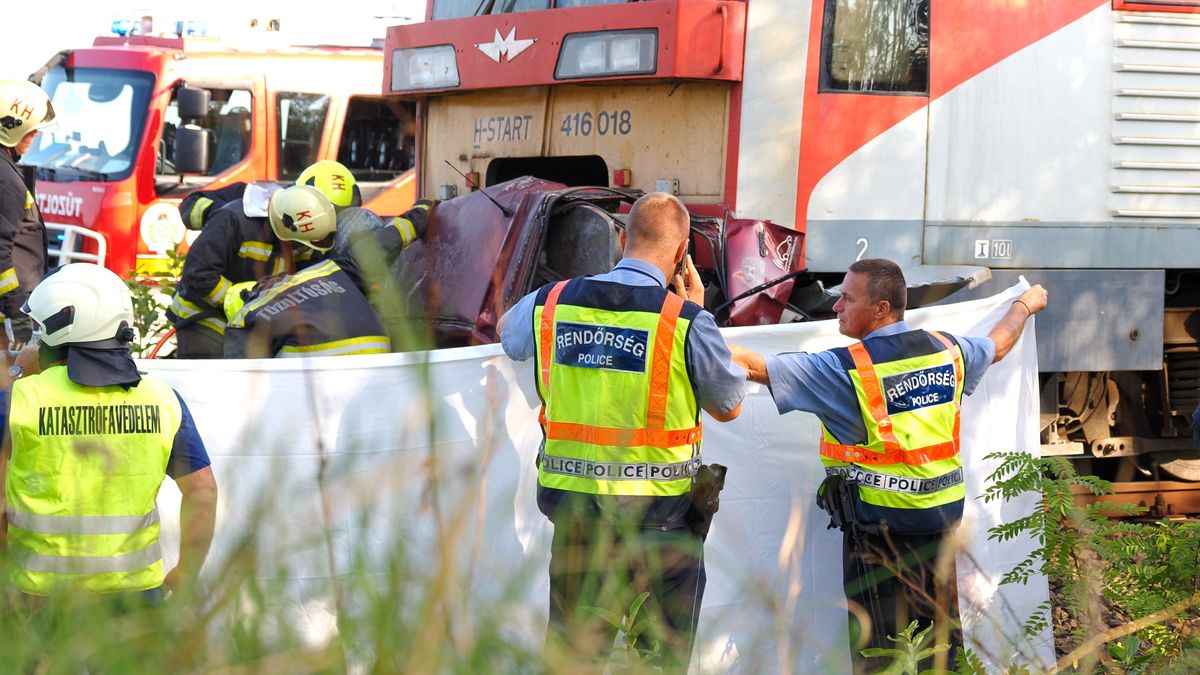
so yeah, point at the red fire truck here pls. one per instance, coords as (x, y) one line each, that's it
(1055, 139)
(108, 179)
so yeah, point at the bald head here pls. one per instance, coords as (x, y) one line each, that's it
(657, 223)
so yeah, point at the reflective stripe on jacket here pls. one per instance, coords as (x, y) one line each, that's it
(620, 416)
(86, 466)
(232, 248)
(909, 471)
(23, 255)
(317, 312)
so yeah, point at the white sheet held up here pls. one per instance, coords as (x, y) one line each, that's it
(459, 494)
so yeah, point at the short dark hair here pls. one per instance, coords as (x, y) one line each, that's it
(885, 281)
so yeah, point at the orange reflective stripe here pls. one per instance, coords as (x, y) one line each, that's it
(958, 375)
(660, 365)
(855, 454)
(874, 395)
(655, 434)
(547, 334)
(621, 438)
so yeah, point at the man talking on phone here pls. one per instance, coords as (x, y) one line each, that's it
(623, 367)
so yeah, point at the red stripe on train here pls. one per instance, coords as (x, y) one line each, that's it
(966, 38)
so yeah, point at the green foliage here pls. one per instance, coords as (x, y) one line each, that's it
(397, 615)
(1140, 568)
(151, 296)
(967, 662)
(911, 649)
(1127, 655)
(630, 631)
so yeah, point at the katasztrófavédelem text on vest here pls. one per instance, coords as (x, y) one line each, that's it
(88, 420)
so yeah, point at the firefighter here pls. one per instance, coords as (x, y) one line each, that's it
(324, 310)
(24, 109)
(332, 178)
(85, 522)
(236, 245)
(199, 206)
(889, 409)
(624, 366)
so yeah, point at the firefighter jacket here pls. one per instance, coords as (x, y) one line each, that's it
(908, 472)
(318, 312)
(198, 207)
(232, 248)
(87, 521)
(22, 238)
(620, 418)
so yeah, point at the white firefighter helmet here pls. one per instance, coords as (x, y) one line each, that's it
(24, 108)
(303, 213)
(81, 303)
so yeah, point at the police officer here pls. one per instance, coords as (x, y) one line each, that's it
(889, 408)
(91, 441)
(237, 245)
(24, 109)
(324, 310)
(623, 367)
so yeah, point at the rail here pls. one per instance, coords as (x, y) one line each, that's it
(1163, 499)
(70, 237)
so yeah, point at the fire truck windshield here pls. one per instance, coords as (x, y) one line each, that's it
(101, 114)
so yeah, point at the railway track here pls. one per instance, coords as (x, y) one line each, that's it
(1163, 499)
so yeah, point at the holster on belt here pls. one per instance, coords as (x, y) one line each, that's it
(706, 496)
(839, 498)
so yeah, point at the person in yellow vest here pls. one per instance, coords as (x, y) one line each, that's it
(889, 410)
(89, 442)
(623, 367)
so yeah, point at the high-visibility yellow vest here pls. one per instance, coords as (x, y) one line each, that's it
(619, 414)
(909, 471)
(86, 466)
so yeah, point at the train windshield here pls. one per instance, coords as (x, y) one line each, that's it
(453, 9)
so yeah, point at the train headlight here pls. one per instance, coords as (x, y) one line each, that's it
(424, 68)
(608, 54)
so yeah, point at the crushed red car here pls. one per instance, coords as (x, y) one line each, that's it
(483, 251)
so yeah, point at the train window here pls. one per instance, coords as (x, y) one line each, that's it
(301, 121)
(875, 46)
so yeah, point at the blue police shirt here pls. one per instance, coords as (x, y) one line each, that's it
(719, 384)
(819, 384)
